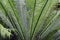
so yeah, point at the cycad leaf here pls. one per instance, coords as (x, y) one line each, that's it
(39, 21)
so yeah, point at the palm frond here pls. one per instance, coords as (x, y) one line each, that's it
(30, 19)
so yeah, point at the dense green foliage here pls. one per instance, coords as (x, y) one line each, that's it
(29, 20)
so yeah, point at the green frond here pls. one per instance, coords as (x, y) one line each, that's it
(29, 20)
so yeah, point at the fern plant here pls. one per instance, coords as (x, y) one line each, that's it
(29, 20)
